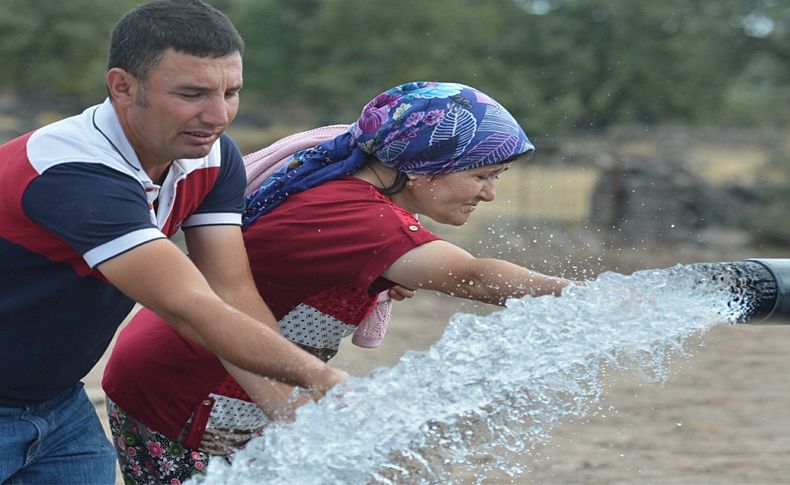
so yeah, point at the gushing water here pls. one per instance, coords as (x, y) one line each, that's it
(496, 382)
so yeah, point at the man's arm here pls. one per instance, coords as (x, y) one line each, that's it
(219, 254)
(161, 277)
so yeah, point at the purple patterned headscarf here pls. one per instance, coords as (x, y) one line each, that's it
(420, 127)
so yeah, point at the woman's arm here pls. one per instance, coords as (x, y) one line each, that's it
(444, 267)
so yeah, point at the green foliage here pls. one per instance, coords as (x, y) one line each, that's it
(556, 64)
(53, 49)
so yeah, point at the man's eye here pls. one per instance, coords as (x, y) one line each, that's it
(189, 95)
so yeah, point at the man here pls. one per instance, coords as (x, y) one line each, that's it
(86, 208)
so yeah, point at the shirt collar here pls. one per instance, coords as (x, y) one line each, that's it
(106, 122)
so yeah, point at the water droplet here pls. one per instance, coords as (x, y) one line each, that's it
(473, 393)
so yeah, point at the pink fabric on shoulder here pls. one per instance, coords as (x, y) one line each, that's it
(262, 163)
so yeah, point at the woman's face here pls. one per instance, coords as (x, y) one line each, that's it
(451, 198)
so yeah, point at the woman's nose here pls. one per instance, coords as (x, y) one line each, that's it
(488, 192)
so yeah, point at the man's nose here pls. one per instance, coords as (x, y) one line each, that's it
(217, 111)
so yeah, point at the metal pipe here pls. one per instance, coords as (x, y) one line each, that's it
(760, 288)
(780, 272)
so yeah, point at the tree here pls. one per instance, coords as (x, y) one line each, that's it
(56, 50)
(556, 64)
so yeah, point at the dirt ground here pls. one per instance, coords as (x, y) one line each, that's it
(721, 418)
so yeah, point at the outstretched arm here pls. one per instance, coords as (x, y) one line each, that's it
(444, 267)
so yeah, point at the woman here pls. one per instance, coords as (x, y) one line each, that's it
(325, 234)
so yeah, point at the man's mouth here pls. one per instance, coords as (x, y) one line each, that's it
(202, 136)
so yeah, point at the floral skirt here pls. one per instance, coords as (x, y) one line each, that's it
(148, 457)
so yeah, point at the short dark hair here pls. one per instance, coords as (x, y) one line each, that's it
(189, 26)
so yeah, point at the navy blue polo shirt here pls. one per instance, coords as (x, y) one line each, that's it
(72, 195)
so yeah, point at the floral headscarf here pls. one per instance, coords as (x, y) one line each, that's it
(420, 127)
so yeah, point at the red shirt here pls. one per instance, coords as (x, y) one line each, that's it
(317, 260)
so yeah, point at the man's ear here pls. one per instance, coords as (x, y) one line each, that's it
(121, 85)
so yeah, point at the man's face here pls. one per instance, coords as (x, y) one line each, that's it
(184, 105)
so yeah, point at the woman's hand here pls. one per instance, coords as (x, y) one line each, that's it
(400, 293)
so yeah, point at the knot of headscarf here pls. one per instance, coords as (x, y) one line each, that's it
(419, 127)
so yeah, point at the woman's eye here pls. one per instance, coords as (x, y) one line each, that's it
(486, 178)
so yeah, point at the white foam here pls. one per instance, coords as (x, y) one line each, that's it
(491, 382)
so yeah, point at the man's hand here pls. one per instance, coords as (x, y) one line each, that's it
(278, 399)
(327, 378)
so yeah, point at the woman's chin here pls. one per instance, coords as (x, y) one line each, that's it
(458, 220)
(455, 218)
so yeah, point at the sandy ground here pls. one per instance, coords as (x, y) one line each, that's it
(721, 418)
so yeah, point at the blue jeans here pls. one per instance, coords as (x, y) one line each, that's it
(57, 441)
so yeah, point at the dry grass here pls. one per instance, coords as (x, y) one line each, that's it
(545, 192)
(728, 165)
(253, 138)
(9, 123)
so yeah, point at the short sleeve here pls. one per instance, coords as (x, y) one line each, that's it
(225, 201)
(341, 232)
(98, 211)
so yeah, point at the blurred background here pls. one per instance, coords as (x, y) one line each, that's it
(658, 125)
(662, 132)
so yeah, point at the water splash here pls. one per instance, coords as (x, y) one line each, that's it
(496, 383)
